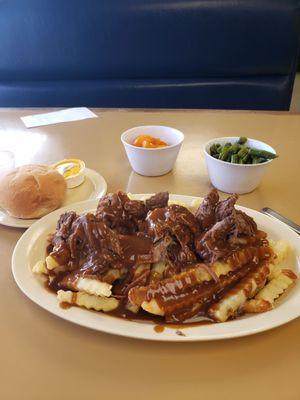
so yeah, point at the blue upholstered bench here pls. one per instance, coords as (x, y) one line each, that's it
(225, 54)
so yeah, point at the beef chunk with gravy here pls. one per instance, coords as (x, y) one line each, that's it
(205, 214)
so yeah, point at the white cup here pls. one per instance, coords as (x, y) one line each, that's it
(152, 161)
(235, 178)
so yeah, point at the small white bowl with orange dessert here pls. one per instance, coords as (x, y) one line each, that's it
(152, 149)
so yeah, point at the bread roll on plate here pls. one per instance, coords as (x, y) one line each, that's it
(32, 191)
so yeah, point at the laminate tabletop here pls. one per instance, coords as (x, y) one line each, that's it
(44, 357)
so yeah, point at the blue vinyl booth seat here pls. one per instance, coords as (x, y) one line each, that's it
(225, 54)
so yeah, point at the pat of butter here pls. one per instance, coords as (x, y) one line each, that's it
(68, 169)
(72, 170)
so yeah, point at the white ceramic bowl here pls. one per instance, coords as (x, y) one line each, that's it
(235, 178)
(152, 162)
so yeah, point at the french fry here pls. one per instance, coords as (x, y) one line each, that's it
(282, 250)
(152, 307)
(51, 263)
(265, 298)
(221, 268)
(195, 205)
(157, 271)
(98, 287)
(198, 274)
(132, 307)
(93, 286)
(257, 306)
(235, 299)
(40, 268)
(88, 301)
(277, 286)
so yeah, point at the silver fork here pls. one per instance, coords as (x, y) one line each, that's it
(275, 214)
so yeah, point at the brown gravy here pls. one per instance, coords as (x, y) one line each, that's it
(93, 245)
(158, 328)
(161, 327)
(64, 305)
(159, 322)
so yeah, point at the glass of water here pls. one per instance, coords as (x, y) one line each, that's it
(7, 161)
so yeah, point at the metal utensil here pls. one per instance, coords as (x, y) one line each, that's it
(275, 214)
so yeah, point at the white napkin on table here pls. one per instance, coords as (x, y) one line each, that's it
(55, 117)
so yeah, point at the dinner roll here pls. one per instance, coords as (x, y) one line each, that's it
(32, 191)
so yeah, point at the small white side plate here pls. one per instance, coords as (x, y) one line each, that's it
(93, 187)
(31, 248)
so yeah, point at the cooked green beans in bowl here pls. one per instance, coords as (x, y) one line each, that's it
(237, 164)
(240, 152)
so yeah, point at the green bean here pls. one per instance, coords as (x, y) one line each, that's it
(228, 152)
(243, 151)
(240, 153)
(246, 157)
(263, 154)
(235, 159)
(235, 148)
(225, 154)
(258, 160)
(242, 140)
(213, 149)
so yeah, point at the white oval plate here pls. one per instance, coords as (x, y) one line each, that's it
(93, 187)
(31, 248)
